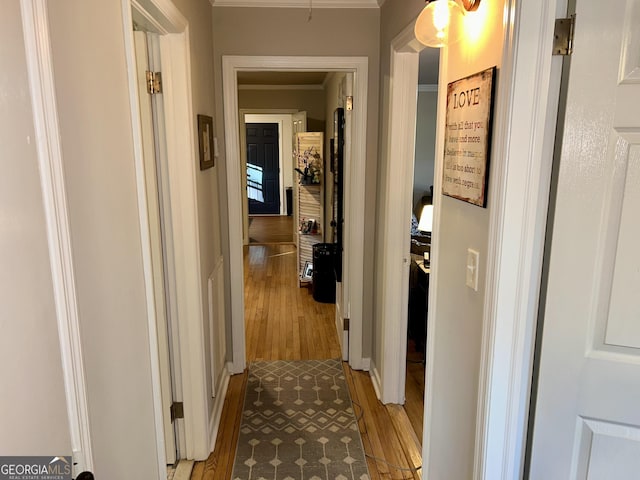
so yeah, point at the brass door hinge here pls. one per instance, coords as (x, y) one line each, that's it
(154, 82)
(349, 103)
(177, 410)
(563, 35)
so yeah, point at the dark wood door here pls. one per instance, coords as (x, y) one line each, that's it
(263, 168)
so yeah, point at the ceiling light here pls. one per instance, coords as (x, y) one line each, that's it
(440, 22)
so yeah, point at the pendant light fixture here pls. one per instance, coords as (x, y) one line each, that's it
(440, 22)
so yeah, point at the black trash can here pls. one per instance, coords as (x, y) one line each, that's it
(324, 275)
(289, 199)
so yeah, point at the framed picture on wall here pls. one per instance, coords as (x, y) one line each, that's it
(205, 141)
(467, 143)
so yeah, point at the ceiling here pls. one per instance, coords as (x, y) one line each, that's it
(299, 3)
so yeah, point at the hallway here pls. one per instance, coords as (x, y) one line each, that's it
(284, 322)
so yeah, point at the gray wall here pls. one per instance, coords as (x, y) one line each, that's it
(332, 32)
(311, 101)
(34, 418)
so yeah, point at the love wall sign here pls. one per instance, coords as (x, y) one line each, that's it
(467, 142)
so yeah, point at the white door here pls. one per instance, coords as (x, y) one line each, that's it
(152, 146)
(342, 288)
(587, 413)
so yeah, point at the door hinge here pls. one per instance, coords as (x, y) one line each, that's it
(563, 35)
(177, 410)
(345, 324)
(154, 82)
(349, 103)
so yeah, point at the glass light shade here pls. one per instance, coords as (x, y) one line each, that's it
(426, 219)
(439, 23)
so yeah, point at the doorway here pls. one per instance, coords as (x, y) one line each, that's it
(263, 168)
(421, 230)
(279, 226)
(354, 260)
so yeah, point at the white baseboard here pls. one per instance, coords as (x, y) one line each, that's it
(218, 403)
(375, 379)
(366, 364)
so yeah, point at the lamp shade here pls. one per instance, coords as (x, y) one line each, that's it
(426, 219)
(439, 23)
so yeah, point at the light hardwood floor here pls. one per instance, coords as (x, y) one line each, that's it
(283, 322)
(270, 229)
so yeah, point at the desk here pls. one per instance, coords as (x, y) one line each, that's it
(418, 301)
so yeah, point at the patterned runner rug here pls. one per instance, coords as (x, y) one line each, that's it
(298, 424)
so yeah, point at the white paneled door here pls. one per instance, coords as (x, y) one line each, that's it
(587, 414)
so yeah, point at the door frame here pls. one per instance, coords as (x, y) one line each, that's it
(519, 189)
(165, 18)
(35, 24)
(355, 205)
(282, 113)
(281, 117)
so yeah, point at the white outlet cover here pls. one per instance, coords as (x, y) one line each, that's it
(473, 263)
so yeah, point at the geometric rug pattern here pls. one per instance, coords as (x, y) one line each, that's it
(298, 424)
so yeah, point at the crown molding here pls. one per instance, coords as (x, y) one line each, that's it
(298, 3)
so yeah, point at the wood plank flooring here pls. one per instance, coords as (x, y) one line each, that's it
(265, 229)
(283, 322)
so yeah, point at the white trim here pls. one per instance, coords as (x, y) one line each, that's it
(180, 120)
(281, 120)
(218, 403)
(180, 138)
(519, 193)
(280, 87)
(427, 88)
(230, 66)
(45, 115)
(296, 3)
(145, 239)
(243, 155)
(376, 381)
(399, 157)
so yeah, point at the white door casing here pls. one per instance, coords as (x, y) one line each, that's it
(587, 420)
(162, 16)
(399, 156)
(354, 201)
(285, 118)
(342, 288)
(150, 139)
(38, 54)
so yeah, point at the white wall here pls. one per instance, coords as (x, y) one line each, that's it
(425, 143)
(34, 419)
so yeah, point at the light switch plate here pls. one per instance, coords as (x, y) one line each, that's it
(473, 262)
